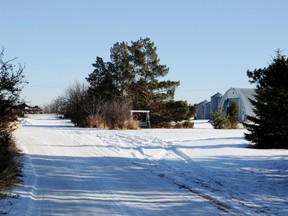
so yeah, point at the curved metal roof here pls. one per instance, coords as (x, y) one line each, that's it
(244, 94)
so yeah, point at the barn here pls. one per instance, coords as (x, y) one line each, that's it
(241, 97)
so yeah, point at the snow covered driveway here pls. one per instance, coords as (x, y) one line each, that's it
(74, 171)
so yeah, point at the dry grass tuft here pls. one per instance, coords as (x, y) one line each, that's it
(10, 167)
(132, 125)
(95, 121)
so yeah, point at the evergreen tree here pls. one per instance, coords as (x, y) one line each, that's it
(232, 114)
(103, 80)
(269, 129)
(121, 60)
(218, 119)
(133, 73)
(179, 110)
(228, 120)
(148, 69)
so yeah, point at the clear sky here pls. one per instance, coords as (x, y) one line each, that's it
(207, 44)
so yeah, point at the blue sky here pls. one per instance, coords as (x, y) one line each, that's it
(208, 45)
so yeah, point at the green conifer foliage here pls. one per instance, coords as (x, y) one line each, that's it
(219, 119)
(269, 129)
(134, 73)
(223, 120)
(232, 114)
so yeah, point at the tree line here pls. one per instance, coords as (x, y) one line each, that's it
(132, 79)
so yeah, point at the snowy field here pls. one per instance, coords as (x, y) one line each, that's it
(200, 171)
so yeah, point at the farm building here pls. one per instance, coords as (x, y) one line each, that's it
(203, 110)
(215, 102)
(205, 107)
(241, 97)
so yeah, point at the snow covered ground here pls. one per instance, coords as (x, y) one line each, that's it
(201, 171)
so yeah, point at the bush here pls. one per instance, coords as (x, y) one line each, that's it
(158, 121)
(11, 84)
(10, 168)
(167, 112)
(95, 121)
(221, 121)
(178, 110)
(188, 124)
(117, 115)
(131, 124)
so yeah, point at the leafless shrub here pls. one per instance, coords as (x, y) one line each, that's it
(89, 111)
(10, 168)
(95, 121)
(117, 114)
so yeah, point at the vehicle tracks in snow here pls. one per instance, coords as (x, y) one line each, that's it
(88, 172)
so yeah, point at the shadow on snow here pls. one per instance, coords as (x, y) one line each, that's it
(112, 185)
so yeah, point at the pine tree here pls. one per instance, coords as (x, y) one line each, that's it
(269, 128)
(147, 87)
(132, 74)
(103, 80)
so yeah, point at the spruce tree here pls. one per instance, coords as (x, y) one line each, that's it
(269, 128)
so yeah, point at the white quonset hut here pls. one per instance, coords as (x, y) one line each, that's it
(241, 97)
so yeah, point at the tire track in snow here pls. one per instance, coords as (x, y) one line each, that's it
(168, 149)
(117, 141)
(88, 162)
